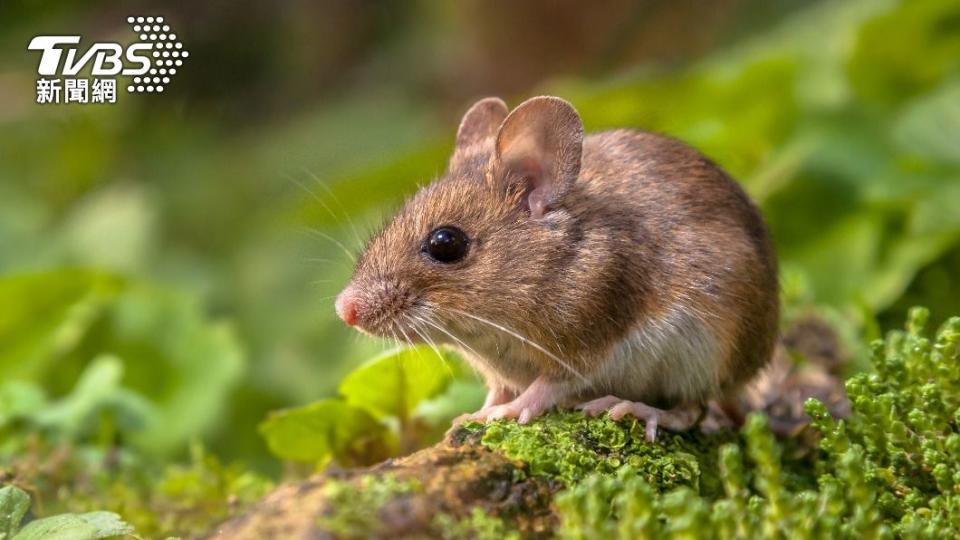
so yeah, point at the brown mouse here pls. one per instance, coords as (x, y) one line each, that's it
(621, 271)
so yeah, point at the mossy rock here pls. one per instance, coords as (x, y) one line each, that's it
(484, 480)
(425, 495)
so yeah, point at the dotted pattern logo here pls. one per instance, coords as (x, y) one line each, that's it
(168, 54)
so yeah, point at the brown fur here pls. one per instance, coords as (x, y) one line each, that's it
(635, 226)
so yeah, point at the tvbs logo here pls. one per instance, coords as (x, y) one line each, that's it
(152, 62)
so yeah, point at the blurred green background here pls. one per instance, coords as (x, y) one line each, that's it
(181, 251)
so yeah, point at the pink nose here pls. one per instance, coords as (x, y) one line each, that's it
(347, 306)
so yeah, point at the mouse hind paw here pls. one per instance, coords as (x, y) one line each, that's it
(679, 418)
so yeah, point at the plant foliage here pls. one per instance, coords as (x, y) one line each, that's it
(889, 470)
(14, 503)
(378, 406)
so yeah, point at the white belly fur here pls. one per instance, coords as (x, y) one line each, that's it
(675, 357)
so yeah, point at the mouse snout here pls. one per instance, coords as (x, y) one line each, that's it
(375, 307)
(347, 306)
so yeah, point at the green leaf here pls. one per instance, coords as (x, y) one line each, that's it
(394, 383)
(46, 314)
(19, 398)
(930, 126)
(89, 526)
(839, 258)
(183, 363)
(175, 360)
(461, 396)
(14, 503)
(321, 430)
(902, 260)
(906, 51)
(97, 389)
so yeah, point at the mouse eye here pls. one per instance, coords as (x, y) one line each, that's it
(446, 244)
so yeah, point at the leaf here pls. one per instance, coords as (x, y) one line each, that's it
(19, 398)
(183, 363)
(460, 397)
(53, 323)
(930, 125)
(394, 383)
(841, 257)
(88, 526)
(14, 503)
(100, 378)
(97, 389)
(902, 260)
(321, 430)
(46, 314)
(906, 51)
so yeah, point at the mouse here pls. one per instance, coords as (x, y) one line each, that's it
(620, 272)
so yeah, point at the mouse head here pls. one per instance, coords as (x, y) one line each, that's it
(480, 242)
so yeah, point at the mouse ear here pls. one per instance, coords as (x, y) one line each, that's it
(540, 144)
(481, 121)
(479, 124)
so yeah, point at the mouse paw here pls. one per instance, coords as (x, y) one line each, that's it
(522, 412)
(597, 406)
(531, 403)
(494, 412)
(676, 419)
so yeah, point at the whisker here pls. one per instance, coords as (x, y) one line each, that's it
(396, 340)
(428, 320)
(336, 199)
(314, 196)
(408, 341)
(431, 343)
(523, 339)
(290, 178)
(338, 243)
(452, 336)
(421, 331)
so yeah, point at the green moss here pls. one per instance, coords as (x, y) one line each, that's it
(898, 455)
(569, 446)
(353, 507)
(478, 526)
(892, 469)
(184, 500)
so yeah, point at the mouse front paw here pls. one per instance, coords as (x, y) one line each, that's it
(522, 412)
(679, 418)
(540, 396)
